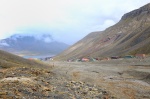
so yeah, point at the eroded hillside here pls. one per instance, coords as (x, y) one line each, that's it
(130, 35)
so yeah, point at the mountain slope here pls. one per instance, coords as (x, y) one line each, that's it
(32, 45)
(8, 60)
(130, 35)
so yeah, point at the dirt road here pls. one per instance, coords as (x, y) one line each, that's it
(123, 78)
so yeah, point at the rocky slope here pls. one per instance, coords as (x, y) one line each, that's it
(26, 79)
(31, 83)
(130, 35)
(22, 44)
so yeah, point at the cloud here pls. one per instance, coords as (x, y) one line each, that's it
(63, 18)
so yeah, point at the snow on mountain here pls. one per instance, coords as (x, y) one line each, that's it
(35, 44)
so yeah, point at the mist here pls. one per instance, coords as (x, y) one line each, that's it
(66, 21)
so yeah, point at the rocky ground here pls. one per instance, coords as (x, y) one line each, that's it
(36, 83)
(122, 78)
(113, 79)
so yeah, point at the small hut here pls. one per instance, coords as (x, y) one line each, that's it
(140, 56)
(115, 57)
(85, 60)
(128, 56)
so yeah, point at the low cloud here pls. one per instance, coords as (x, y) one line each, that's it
(62, 18)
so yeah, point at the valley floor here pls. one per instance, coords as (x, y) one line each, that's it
(122, 78)
(38, 83)
(113, 79)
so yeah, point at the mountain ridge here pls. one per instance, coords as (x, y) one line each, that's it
(143, 9)
(130, 35)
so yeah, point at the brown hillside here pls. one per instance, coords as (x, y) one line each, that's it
(130, 35)
(9, 60)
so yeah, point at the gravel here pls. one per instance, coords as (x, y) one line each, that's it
(31, 83)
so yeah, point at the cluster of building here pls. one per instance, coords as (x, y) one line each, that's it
(46, 58)
(42, 59)
(90, 59)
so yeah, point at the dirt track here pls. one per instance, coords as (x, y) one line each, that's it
(124, 78)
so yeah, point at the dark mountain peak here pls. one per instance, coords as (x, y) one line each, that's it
(142, 10)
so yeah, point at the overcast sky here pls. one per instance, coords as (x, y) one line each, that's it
(65, 20)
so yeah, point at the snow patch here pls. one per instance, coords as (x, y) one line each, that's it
(16, 36)
(4, 44)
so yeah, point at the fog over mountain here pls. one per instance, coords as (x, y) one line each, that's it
(32, 45)
(66, 20)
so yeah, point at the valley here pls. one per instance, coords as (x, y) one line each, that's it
(105, 79)
(109, 64)
(124, 79)
(130, 36)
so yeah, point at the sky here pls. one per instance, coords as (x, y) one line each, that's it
(66, 20)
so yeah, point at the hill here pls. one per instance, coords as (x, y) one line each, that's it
(131, 35)
(8, 60)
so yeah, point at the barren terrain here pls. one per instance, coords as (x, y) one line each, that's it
(39, 83)
(123, 78)
(112, 79)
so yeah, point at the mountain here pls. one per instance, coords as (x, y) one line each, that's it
(130, 35)
(32, 45)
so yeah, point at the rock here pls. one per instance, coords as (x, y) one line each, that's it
(104, 92)
(84, 93)
(46, 89)
(145, 9)
(94, 89)
(3, 93)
